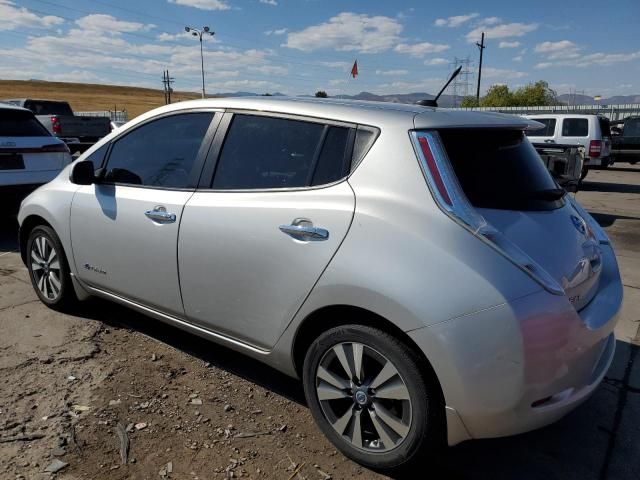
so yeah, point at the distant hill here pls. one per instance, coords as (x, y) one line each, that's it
(577, 99)
(443, 101)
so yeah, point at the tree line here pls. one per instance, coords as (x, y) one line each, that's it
(532, 95)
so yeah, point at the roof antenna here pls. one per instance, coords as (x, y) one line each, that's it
(434, 102)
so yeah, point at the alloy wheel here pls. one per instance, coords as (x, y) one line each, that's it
(363, 397)
(45, 267)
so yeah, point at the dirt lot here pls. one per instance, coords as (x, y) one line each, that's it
(90, 97)
(74, 386)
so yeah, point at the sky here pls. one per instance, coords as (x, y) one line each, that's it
(301, 46)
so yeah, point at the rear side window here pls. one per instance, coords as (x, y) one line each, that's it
(40, 107)
(262, 152)
(575, 127)
(499, 169)
(161, 153)
(548, 129)
(20, 123)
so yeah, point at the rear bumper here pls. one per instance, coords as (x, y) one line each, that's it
(523, 365)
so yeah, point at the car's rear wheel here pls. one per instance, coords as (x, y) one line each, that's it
(48, 269)
(371, 396)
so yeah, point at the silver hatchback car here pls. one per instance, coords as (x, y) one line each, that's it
(418, 268)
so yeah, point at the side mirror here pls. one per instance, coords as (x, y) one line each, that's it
(615, 131)
(83, 173)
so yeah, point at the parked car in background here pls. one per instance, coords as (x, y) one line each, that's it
(418, 268)
(625, 140)
(29, 155)
(79, 132)
(564, 162)
(591, 131)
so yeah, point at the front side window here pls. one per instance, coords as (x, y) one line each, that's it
(161, 153)
(262, 152)
(575, 127)
(548, 129)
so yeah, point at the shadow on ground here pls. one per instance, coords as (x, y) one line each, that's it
(588, 186)
(8, 234)
(606, 219)
(582, 446)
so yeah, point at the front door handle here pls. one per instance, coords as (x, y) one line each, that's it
(303, 229)
(159, 214)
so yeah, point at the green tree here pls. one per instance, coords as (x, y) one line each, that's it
(321, 94)
(534, 94)
(497, 96)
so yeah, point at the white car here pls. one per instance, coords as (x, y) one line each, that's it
(29, 155)
(593, 132)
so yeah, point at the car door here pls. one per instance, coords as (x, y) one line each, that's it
(124, 229)
(255, 241)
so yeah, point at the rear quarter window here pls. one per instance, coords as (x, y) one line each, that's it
(575, 127)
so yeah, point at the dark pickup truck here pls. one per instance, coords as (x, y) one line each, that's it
(78, 132)
(625, 140)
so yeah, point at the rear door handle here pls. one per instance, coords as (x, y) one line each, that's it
(159, 214)
(303, 229)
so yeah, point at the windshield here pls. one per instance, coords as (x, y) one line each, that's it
(500, 169)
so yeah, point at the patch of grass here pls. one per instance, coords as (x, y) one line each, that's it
(89, 97)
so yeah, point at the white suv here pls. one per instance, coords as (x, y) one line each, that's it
(29, 155)
(590, 131)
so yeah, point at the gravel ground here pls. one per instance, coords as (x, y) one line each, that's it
(85, 392)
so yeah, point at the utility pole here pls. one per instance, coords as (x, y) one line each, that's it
(481, 47)
(199, 33)
(166, 83)
(164, 86)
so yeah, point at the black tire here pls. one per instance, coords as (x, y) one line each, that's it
(584, 173)
(62, 298)
(426, 433)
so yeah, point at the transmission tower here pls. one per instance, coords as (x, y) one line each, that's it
(462, 82)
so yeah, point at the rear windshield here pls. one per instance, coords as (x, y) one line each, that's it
(500, 169)
(40, 107)
(548, 129)
(19, 123)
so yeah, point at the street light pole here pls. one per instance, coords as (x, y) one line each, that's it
(199, 33)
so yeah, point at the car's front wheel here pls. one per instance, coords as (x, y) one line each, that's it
(369, 393)
(48, 268)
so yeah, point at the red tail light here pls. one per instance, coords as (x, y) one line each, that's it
(595, 147)
(56, 147)
(55, 125)
(433, 170)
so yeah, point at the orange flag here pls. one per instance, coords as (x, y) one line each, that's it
(354, 69)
